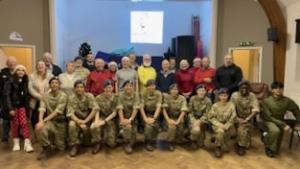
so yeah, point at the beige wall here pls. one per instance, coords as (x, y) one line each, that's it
(28, 17)
(244, 20)
(292, 68)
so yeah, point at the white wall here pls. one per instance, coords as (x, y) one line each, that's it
(292, 68)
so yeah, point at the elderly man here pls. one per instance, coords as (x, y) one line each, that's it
(95, 80)
(5, 75)
(205, 76)
(165, 78)
(145, 72)
(125, 74)
(228, 75)
(52, 68)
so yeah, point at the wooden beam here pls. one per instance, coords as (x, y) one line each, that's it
(277, 20)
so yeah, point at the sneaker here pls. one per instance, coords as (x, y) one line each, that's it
(27, 146)
(16, 146)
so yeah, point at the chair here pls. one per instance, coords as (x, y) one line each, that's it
(261, 90)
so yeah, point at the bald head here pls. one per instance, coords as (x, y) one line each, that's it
(11, 63)
(228, 60)
(147, 60)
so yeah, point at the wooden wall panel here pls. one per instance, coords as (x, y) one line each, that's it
(277, 20)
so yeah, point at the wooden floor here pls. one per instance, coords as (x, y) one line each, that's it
(182, 158)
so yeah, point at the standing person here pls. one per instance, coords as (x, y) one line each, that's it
(274, 108)
(81, 71)
(52, 119)
(96, 78)
(113, 68)
(145, 72)
(38, 85)
(128, 106)
(104, 127)
(81, 110)
(185, 79)
(51, 68)
(5, 74)
(197, 63)
(89, 62)
(172, 61)
(126, 74)
(222, 117)
(165, 78)
(228, 75)
(205, 76)
(151, 101)
(16, 101)
(174, 110)
(68, 79)
(199, 106)
(133, 64)
(247, 107)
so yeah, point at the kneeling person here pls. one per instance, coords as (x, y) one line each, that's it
(52, 119)
(81, 110)
(151, 101)
(199, 106)
(104, 126)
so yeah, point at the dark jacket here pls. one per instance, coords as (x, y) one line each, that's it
(88, 66)
(15, 95)
(228, 77)
(56, 70)
(163, 83)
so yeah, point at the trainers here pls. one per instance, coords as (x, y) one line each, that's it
(16, 146)
(27, 146)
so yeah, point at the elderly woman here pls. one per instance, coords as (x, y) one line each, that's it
(125, 74)
(68, 78)
(38, 85)
(16, 103)
(185, 79)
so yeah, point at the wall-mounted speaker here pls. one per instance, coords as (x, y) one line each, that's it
(273, 34)
(185, 48)
(297, 39)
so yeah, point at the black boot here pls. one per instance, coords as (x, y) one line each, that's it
(74, 150)
(149, 146)
(269, 153)
(128, 149)
(218, 152)
(44, 154)
(96, 148)
(171, 147)
(194, 145)
(240, 150)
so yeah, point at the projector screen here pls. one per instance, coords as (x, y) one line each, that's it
(146, 27)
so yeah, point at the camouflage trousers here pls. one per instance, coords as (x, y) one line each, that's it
(53, 133)
(129, 133)
(244, 134)
(151, 131)
(222, 137)
(175, 132)
(106, 133)
(197, 130)
(78, 135)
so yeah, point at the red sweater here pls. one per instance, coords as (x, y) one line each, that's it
(185, 81)
(95, 81)
(205, 73)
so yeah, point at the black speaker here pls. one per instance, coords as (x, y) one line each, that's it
(297, 31)
(185, 48)
(273, 34)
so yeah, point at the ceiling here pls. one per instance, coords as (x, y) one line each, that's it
(287, 2)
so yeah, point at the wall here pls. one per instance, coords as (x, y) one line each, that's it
(244, 20)
(28, 17)
(106, 24)
(292, 69)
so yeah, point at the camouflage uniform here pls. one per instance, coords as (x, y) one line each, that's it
(81, 109)
(150, 101)
(222, 114)
(109, 129)
(273, 111)
(57, 127)
(129, 102)
(174, 107)
(198, 109)
(245, 105)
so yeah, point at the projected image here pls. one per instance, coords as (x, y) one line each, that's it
(146, 27)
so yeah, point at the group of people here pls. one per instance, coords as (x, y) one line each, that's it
(94, 103)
